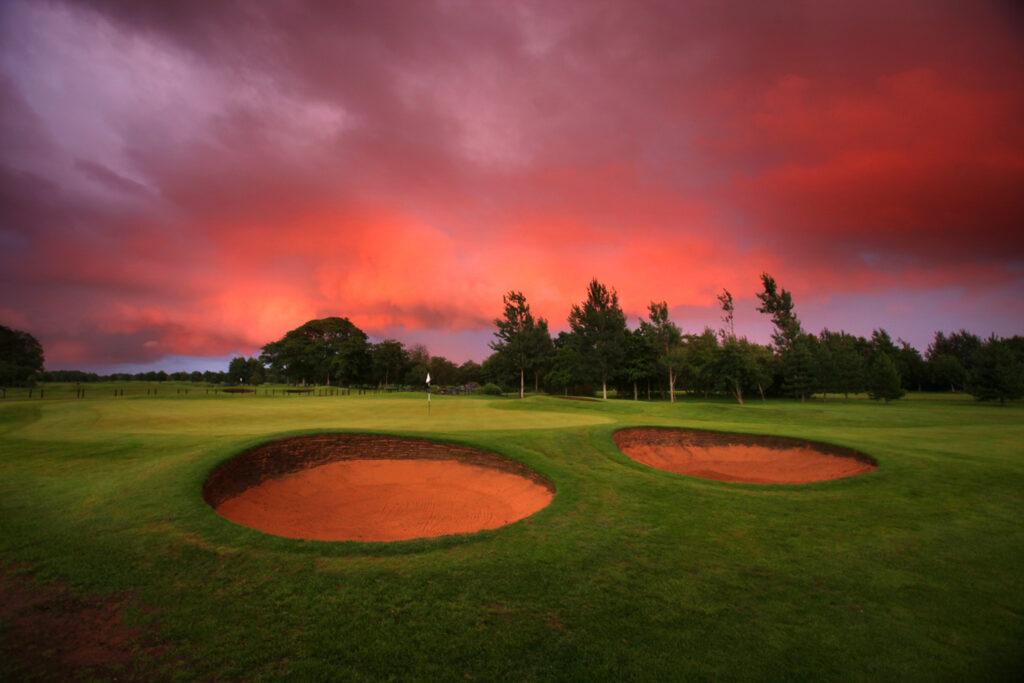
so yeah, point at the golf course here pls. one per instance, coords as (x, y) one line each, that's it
(115, 566)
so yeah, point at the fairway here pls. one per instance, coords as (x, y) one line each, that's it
(911, 571)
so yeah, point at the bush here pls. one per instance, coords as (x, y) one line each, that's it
(491, 389)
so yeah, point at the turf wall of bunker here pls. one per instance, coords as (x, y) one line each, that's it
(701, 438)
(278, 458)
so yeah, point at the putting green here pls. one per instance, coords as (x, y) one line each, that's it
(243, 416)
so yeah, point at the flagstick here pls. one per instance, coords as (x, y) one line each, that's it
(428, 394)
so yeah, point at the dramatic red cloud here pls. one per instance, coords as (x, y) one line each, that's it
(196, 178)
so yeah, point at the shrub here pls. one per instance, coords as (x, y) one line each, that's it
(491, 389)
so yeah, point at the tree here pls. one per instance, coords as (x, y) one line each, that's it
(961, 345)
(245, 370)
(541, 351)
(443, 372)
(884, 379)
(799, 372)
(513, 333)
(911, 366)
(319, 350)
(881, 342)
(600, 326)
(734, 367)
(849, 365)
(826, 367)
(997, 371)
(524, 344)
(778, 303)
(949, 359)
(21, 357)
(389, 360)
(470, 372)
(697, 367)
(663, 335)
(947, 372)
(728, 332)
(568, 370)
(641, 361)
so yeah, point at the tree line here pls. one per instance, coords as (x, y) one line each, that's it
(601, 353)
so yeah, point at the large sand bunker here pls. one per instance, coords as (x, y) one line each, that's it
(362, 487)
(740, 457)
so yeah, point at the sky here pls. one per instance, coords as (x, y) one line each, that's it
(185, 182)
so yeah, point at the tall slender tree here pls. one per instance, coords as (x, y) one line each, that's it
(663, 334)
(778, 303)
(883, 378)
(600, 326)
(728, 332)
(520, 338)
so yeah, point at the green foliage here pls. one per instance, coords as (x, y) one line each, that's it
(523, 344)
(569, 372)
(799, 371)
(443, 372)
(21, 357)
(319, 351)
(947, 373)
(883, 379)
(470, 372)
(778, 303)
(390, 361)
(997, 371)
(734, 368)
(665, 340)
(243, 370)
(599, 326)
(961, 345)
(490, 389)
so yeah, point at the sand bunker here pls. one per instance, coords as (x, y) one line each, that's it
(740, 457)
(361, 487)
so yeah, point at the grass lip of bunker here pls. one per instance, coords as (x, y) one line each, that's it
(744, 458)
(367, 487)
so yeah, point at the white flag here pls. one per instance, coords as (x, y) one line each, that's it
(428, 378)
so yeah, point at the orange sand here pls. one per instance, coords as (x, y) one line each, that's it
(386, 500)
(739, 458)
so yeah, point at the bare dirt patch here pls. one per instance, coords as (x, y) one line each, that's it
(740, 457)
(50, 633)
(373, 488)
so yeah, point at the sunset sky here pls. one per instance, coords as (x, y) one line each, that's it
(184, 182)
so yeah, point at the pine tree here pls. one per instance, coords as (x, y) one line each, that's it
(666, 339)
(600, 327)
(884, 379)
(996, 372)
(799, 376)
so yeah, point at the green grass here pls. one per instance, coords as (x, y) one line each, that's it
(911, 572)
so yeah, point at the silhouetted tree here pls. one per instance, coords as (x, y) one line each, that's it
(665, 337)
(997, 371)
(21, 357)
(524, 344)
(884, 379)
(778, 303)
(390, 360)
(600, 327)
(319, 350)
(800, 378)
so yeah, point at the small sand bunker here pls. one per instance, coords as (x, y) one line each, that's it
(361, 487)
(740, 457)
